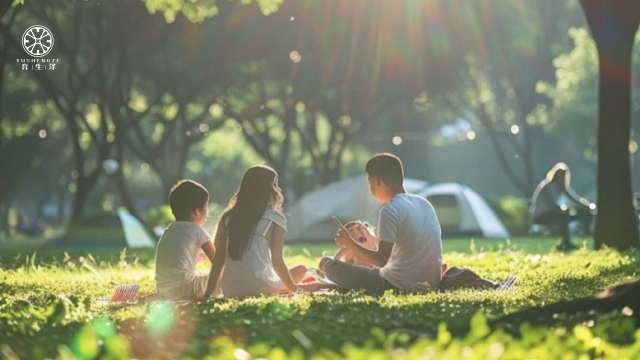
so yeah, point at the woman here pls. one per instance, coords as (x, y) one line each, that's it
(249, 241)
(554, 203)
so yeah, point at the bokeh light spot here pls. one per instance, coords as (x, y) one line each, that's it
(471, 135)
(295, 56)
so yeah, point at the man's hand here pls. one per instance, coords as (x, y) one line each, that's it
(342, 239)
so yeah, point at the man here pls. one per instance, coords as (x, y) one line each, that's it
(409, 254)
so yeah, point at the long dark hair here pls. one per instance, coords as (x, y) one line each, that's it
(560, 173)
(258, 190)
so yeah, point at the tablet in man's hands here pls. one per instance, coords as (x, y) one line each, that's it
(343, 228)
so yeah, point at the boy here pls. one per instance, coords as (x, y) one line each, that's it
(179, 246)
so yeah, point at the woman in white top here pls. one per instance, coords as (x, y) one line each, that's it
(249, 241)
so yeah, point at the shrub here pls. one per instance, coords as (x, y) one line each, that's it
(514, 213)
(158, 216)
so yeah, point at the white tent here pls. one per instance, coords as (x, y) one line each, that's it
(310, 218)
(135, 234)
(108, 230)
(463, 212)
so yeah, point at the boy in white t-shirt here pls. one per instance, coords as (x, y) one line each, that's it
(180, 245)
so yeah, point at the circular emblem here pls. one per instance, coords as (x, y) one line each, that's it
(37, 41)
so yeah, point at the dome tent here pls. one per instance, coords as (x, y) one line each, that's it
(310, 218)
(463, 212)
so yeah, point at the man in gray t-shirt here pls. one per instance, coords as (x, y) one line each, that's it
(409, 254)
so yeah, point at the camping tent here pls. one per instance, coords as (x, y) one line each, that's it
(109, 230)
(310, 218)
(463, 212)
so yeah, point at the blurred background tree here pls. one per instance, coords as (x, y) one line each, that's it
(204, 89)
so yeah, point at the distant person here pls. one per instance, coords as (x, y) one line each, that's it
(181, 242)
(555, 204)
(409, 253)
(250, 241)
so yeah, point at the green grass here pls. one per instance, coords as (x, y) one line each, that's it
(47, 310)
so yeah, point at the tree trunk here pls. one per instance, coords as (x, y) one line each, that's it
(3, 54)
(168, 181)
(42, 201)
(4, 7)
(613, 26)
(120, 180)
(79, 200)
(62, 199)
(4, 220)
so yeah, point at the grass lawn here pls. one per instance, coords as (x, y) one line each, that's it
(48, 310)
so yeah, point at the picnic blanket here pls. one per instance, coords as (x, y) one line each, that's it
(123, 294)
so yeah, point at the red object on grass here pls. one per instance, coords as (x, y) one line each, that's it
(308, 279)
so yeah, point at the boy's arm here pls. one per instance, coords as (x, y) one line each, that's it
(209, 249)
(219, 257)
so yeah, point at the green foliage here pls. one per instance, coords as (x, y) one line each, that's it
(199, 10)
(514, 213)
(158, 216)
(48, 310)
(574, 109)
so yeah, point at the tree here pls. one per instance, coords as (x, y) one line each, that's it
(21, 151)
(614, 24)
(34, 142)
(338, 84)
(265, 115)
(194, 10)
(165, 97)
(504, 63)
(574, 93)
(67, 88)
(100, 91)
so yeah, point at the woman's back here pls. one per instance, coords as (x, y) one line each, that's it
(253, 274)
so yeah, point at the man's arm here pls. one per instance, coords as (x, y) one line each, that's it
(378, 258)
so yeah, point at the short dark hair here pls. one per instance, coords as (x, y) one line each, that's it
(387, 168)
(186, 197)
